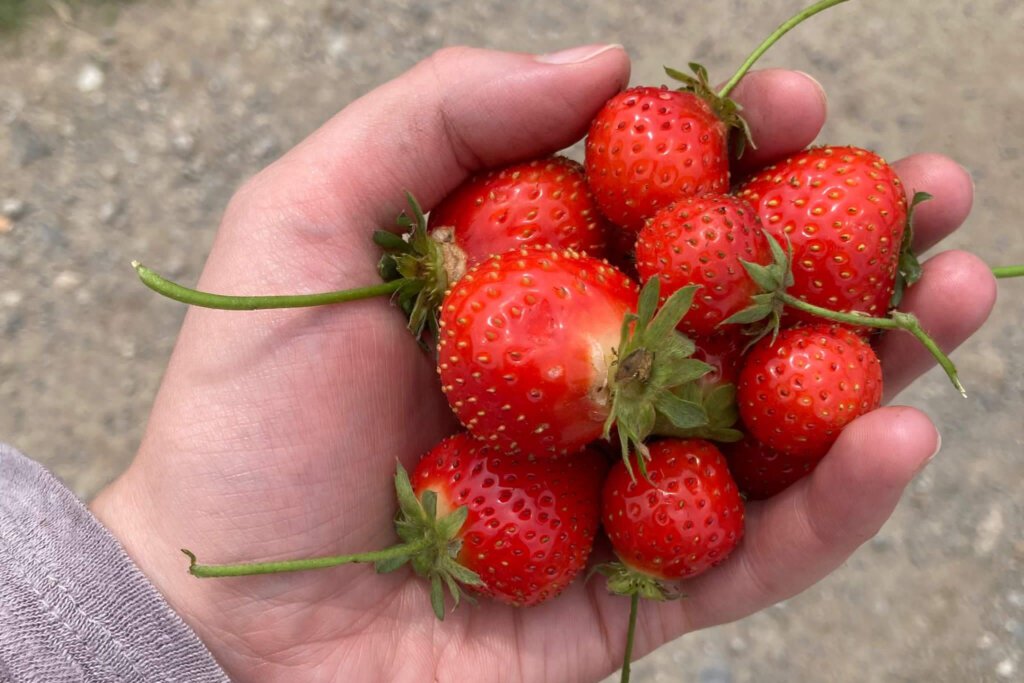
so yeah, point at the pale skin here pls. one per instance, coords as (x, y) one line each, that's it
(275, 433)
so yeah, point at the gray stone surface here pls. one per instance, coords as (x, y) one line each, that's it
(124, 140)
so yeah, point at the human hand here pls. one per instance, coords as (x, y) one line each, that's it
(275, 433)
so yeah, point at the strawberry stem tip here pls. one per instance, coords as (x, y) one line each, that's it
(195, 297)
(784, 28)
(431, 545)
(1003, 272)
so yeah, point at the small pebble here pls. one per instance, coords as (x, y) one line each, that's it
(90, 78)
(13, 208)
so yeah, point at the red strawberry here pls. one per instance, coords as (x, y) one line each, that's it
(702, 241)
(649, 147)
(844, 212)
(761, 472)
(538, 353)
(797, 394)
(684, 519)
(530, 524)
(545, 201)
(527, 340)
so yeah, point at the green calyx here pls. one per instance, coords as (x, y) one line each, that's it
(652, 368)
(623, 580)
(909, 268)
(423, 265)
(719, 405)
(727, 110)
(764, 314)
(430, 545)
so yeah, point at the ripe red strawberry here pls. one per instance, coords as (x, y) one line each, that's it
(541, 351)
(761, 472)
(702, 241)
(527, 340)
(844, 212)
(544, 201)
(684, 519)
(797, 394)
(530, 524)
(649, 147)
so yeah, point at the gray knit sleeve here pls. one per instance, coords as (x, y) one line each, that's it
(73, 606)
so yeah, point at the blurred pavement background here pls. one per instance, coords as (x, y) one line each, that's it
(124, 130)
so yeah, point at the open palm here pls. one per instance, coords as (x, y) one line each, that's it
(275, 433)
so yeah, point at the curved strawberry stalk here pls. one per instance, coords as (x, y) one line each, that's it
(417, 268)
(430, 544)
(726, 109)
(768, 307)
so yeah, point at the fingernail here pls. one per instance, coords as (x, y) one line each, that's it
(819, 86)
(575, 55)
(938, 447)
(970, 176)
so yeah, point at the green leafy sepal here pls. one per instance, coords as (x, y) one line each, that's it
(623, 580)
(653, 364)
(426, 263)
(726, 109)
(909, 269)
(417, 521)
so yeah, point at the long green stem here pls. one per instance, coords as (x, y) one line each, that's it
(772, 39)
(194, 297)
(898, 321)
(627, 658)
(1008, 271)
(253, 568)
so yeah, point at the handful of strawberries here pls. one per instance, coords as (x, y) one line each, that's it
(717, 330)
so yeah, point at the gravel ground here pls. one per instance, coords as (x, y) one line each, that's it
(123, 135)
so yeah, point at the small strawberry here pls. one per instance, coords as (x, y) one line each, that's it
(544, 201)
(843, 212)
(683, 519)
(511, 528)
(542, 350)
(796, 393)
(651, 146)
(704, 241)
(761, 472)
(530, 524)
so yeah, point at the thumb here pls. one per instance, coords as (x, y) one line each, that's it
(458, 111)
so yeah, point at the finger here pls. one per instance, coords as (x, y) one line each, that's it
(952, 192)
(952, 300)
(798, 537)
(457, 112)
(785, 111)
